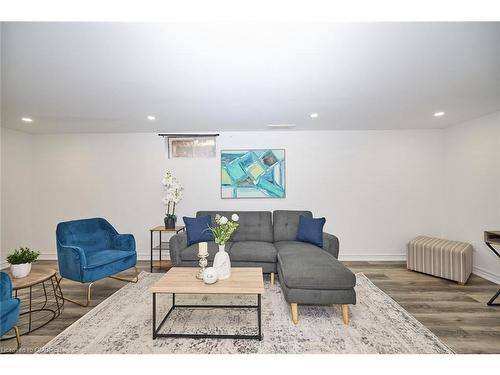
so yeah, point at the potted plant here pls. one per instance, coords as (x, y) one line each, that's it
(222, 233)
(174, 193)
(20, 261)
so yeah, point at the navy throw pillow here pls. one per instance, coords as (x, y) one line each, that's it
(197, 229)
(311, 230)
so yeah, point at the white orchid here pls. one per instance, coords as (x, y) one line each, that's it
(167, 179)
(177, 195)
(169, 197)
(223, 220)
(173, 192)
(235, 217)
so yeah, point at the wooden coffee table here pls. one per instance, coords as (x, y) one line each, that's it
(182, 280)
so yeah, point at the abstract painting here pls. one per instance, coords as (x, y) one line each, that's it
(253, 173)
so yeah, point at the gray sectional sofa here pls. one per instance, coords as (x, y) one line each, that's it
(308, 274)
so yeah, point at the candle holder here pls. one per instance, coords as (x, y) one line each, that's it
(203, 264)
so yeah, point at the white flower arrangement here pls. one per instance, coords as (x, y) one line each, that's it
(174, 193)
(224, 229)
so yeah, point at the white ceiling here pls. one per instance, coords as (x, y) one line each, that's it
(107, 77)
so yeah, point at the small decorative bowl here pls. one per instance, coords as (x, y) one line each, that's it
(210, 275)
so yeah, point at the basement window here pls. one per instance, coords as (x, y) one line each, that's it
(191, 147)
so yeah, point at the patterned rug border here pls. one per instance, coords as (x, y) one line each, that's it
(102, 305)
(394, 302)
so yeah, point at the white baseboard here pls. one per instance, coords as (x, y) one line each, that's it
(369, 257)
(343, 257)
(485, 274)
(140, 256)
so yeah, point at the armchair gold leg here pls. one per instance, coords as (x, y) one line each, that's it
(134, 280)
(89, 287)
(272, 278)
(18, 338)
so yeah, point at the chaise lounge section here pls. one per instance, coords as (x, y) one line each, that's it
(308, 274)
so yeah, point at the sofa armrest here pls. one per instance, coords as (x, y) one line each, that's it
(125, 242)
(72, 261)
(6, 286)
(177, 243)
(331, 244)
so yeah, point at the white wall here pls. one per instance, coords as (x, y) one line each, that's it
(377, 189)
(17, 191)
(472, 187)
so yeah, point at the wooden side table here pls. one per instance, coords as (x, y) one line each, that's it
(162, 245)
(40, 302)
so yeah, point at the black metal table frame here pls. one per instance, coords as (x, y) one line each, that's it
(490, 302)
(159, 245)
(156, 331)
(55, 312)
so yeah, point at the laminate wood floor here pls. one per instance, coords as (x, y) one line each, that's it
(458, 315)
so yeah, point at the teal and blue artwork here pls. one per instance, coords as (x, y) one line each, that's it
(253, 173)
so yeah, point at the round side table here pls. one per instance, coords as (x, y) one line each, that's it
(40, 298)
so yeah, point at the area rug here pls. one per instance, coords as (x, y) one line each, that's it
(123, 324)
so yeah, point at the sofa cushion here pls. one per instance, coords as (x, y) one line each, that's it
(253, 251)
(254, 225)
(197, 229)
(295, 245)
(190, 253)
(90, 234)
(313, 268)
(286, 224)
(311, 230)
(102, 257)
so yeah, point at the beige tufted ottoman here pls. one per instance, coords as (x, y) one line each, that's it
(443, 258)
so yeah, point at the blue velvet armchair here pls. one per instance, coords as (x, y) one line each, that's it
(91, 249)
(9, 308)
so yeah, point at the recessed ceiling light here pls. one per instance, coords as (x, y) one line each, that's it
(281, 126)
(26, 119)
(151, 118)
(438, 114)
(313, 115)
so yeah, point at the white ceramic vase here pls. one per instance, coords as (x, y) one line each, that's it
(222, 263)
(19, 271)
